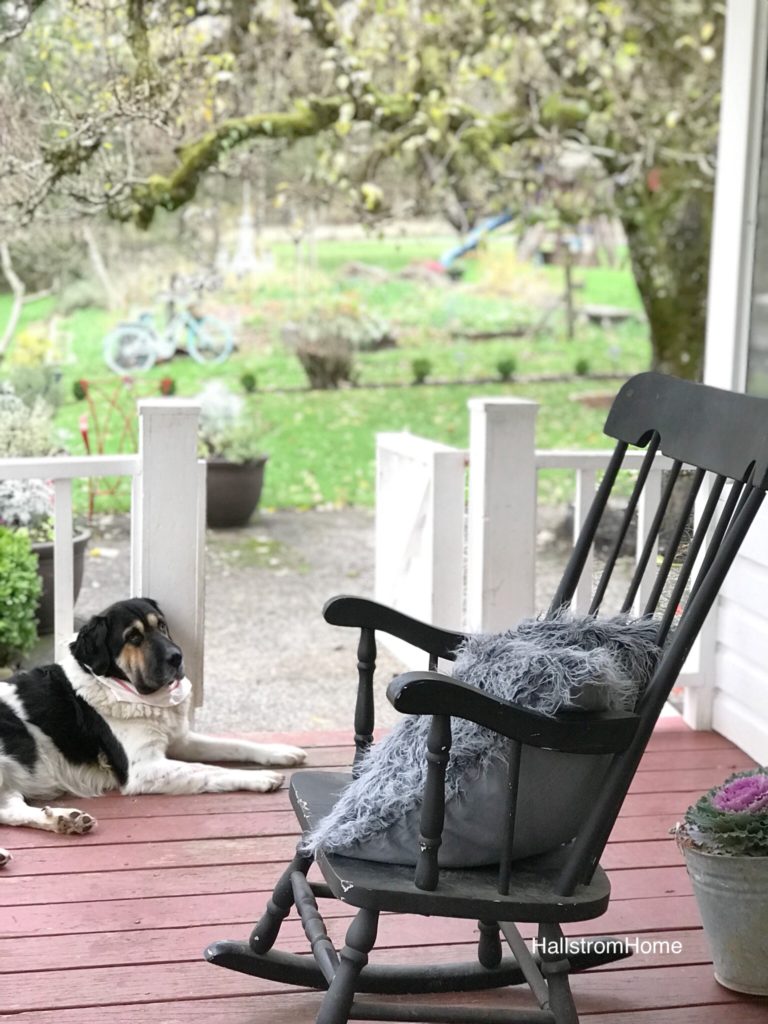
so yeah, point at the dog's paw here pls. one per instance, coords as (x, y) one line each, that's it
(265, 782)
(4, 857)
(280, 753)
(69, 821)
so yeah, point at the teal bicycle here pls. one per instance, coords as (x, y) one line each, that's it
(136, 345)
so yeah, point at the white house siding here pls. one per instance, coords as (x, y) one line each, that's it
(736, 670)
(740, 700)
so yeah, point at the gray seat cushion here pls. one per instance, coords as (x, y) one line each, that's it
(553, 666)
(554, 789)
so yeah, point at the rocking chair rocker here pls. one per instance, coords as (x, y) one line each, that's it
(723, 439)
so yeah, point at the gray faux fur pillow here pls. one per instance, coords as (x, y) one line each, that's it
(549, 665)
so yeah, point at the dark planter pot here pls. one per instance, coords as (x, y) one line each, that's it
(44, 552)
(233, 490)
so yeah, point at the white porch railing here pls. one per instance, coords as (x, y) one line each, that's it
(167, 521)
(489, 536)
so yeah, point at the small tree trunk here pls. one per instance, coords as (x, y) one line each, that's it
(570, 311)
(18, 289)
(100, 268)
(668, 232)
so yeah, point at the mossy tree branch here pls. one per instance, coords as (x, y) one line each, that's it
(307, 118)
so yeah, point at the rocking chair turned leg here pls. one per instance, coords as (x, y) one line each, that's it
(266, 930)
(489, 951)
(361, 935)
(555, 967)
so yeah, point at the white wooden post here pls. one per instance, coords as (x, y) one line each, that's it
(649, 503)
(167, 520)
(585, 492)
(419, 532)
(501, 539)
(63, 567)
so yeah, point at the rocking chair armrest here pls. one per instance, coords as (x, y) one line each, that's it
(346, 610)
(578, 732)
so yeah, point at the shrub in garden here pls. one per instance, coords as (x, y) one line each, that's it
(30, 369)
(248, 382)
(325, 354)
(167, 386)
(19, 593)
(421, 369)
(25, 431)
(582, 367)
(80, 389)
(506, 367)
(82, 294)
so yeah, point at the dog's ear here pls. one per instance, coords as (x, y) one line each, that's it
(90, 646)
(154, 604)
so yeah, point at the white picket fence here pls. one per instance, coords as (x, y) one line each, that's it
(456, 530)
(167, 521)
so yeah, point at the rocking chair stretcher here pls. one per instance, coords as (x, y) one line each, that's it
(719, 437)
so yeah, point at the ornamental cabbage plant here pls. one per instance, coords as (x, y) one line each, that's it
(731, 819)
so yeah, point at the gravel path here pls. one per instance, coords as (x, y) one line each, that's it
(271, 661)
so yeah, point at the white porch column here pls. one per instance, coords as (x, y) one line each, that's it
(730, 284)
(501, 540)
(735, 210)
(168, 523)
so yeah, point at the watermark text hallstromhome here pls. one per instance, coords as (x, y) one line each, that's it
(610, 946)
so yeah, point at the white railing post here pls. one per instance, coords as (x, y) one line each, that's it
(649, 503)
(501, 538)
(63, 568)
(167, 520)
(419, 531)
(700, 666)
(583, 497)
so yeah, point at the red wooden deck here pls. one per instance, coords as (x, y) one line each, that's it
(110, 927)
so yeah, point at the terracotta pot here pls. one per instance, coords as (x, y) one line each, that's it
(233, 490)
(44, 552)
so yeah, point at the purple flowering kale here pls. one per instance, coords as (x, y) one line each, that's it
(745, 793)
(731, 819)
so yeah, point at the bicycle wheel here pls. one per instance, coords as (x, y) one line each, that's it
(209, 340)
(130, 348)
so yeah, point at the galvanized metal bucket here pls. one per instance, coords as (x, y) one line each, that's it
(732, 895)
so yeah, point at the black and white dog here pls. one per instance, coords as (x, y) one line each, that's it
(114, 715)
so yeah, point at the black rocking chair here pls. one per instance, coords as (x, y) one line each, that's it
(719, 437)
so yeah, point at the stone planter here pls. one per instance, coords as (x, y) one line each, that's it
(233, 490)
(732, 896)
(44, 552)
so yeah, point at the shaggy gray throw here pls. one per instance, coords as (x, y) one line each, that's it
(548, 665)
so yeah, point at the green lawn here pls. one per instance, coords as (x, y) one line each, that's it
(321, 444)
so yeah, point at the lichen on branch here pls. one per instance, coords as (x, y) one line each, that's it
(307, 118)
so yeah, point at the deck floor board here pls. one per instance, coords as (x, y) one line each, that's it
(109, 928)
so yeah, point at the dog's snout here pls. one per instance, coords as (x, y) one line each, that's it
(174, 658)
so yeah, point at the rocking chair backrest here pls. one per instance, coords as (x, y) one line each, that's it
(718, 444)
(721, 438)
